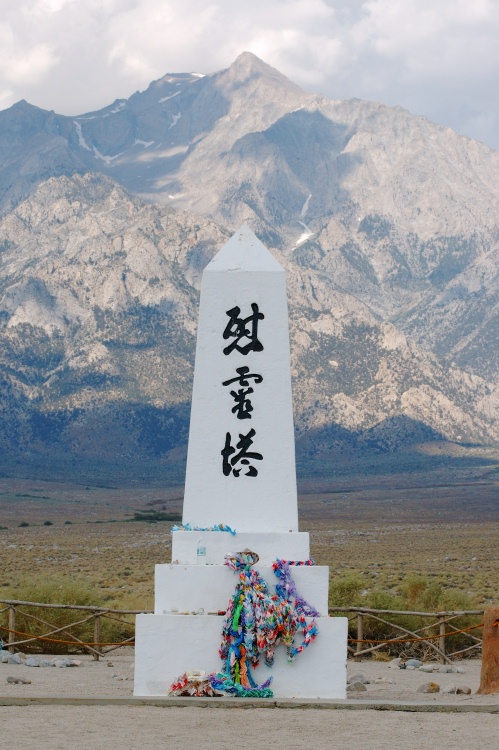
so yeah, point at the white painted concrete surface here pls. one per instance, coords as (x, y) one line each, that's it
(166, 646)
(243, 274)
(189, 588)
(286, 546)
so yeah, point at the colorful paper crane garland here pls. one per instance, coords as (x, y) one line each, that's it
(255, 623)
(216, 527)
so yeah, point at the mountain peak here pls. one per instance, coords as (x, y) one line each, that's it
(247, 66)
(23, 106)
(248, 60)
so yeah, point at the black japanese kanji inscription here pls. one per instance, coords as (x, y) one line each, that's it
(241, 329)
(243, 406)
(229, 465)
(244, 375)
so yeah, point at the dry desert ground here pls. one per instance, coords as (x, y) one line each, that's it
(145, 727)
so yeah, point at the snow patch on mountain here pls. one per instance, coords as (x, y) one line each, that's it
(121, 106)
(106, 159)
(166, 98)
(175, 119)
(304, 236)
(304, 208)
(81, 139)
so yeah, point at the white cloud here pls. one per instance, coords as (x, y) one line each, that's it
(440, 58)
(23, 63)
(27, 66)
(51, 6)
(5, 98)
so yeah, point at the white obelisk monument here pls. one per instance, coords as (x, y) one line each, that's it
(242, 395)
(241, 474)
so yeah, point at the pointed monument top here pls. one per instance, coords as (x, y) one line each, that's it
(241, 456)
(244, 252)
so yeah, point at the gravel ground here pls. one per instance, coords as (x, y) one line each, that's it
(149, 728)
(58, 727)
(402, 684)
(113, 676)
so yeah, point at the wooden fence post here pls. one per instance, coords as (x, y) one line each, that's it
(441, 640)
(12, 627)
(97, 636)
(360, 635)
(489, 677)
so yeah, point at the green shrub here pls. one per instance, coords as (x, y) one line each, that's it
(417, 594)
(153, 516)
(346, 591)
(61, 590)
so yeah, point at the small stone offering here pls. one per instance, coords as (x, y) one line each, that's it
(14, 659)
(429, 687)
(395, 663)
(416, 663)
(358, 678)
(356, 687)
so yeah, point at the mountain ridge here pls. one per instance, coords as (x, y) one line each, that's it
(385, 223)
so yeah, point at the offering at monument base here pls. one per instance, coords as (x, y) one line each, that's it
(241, 610)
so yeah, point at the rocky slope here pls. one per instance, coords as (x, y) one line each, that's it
(98, 310)
(98, 314)
(386, 224)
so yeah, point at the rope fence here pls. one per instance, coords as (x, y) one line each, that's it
(100, 621)
(433, 643)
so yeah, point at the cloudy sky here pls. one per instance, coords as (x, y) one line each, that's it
(438, 58)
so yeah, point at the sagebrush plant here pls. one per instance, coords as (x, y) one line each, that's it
(60, 590)
(416, 594)
(346, 591)
(137, 602)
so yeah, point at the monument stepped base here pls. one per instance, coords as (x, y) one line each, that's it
(166, 646)
(175, 640)
(285, 545)
(190, 588)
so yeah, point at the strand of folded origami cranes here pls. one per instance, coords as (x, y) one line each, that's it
(216, 527)
(257, 621)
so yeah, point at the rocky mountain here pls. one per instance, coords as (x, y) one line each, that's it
(98, 317)
(386, 224)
